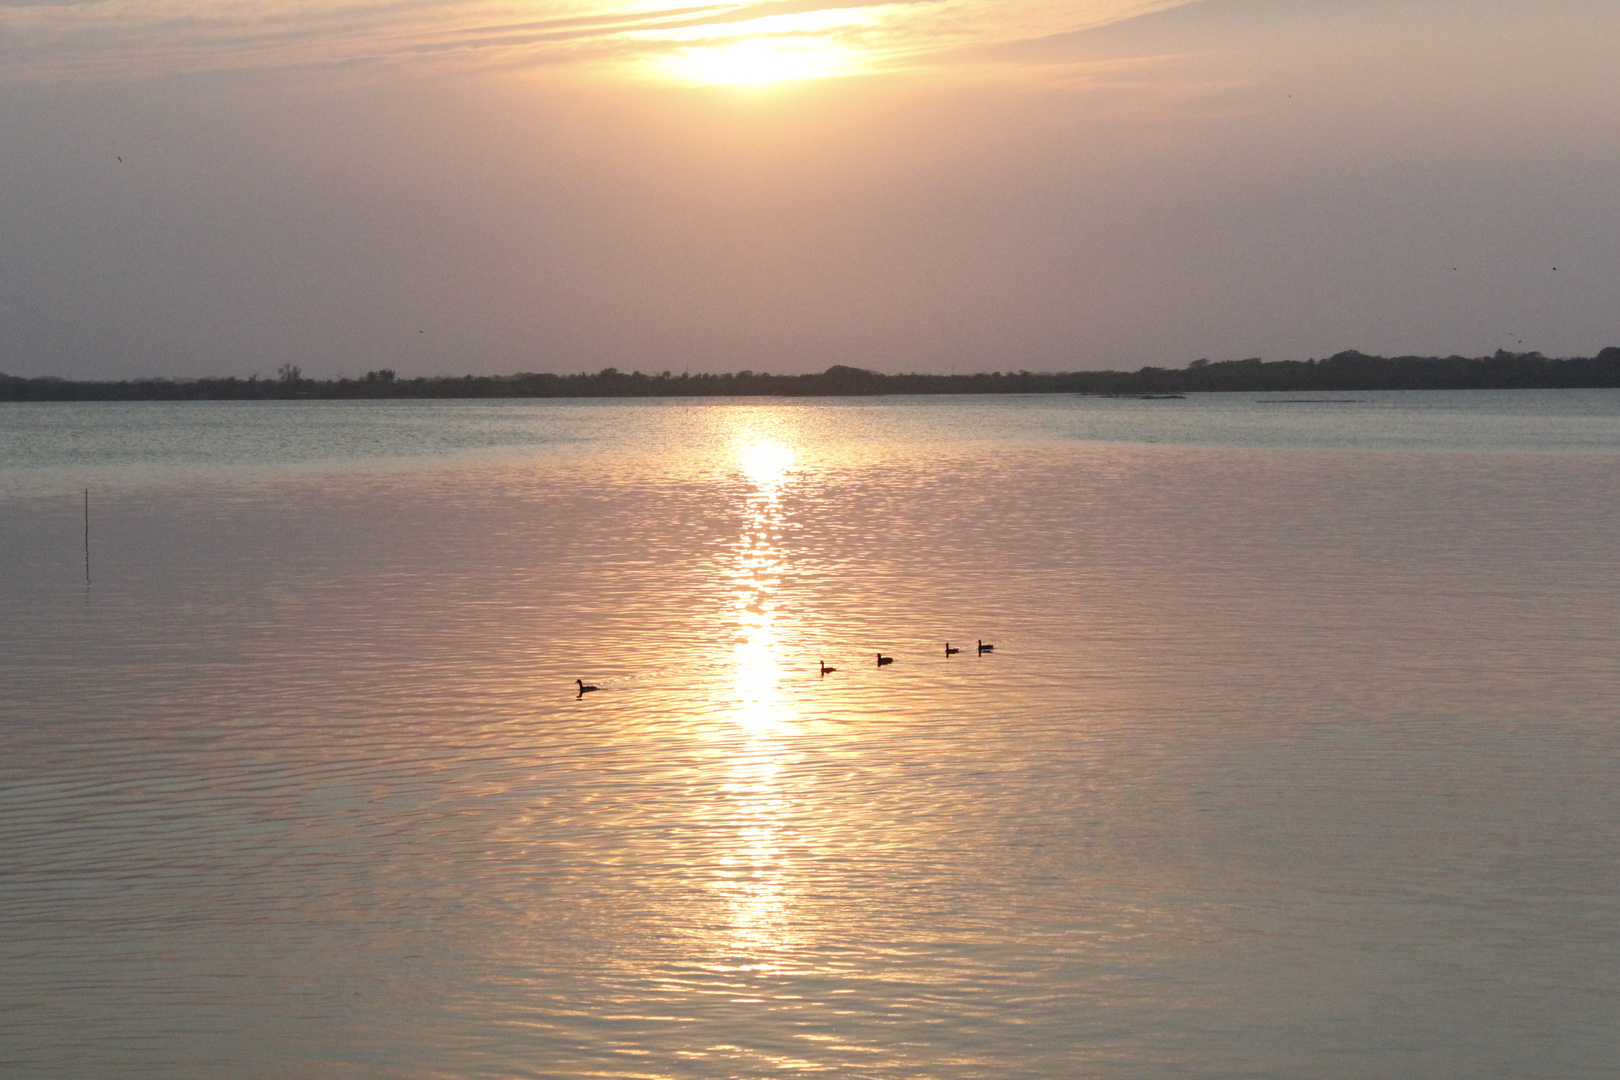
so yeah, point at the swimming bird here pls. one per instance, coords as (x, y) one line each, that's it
(884, 659)
(983, 648)
(583, 689)
(825, 670)
(950, 651)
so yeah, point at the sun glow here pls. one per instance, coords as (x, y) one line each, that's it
(765, 463)
(758, 61)
(797, 45)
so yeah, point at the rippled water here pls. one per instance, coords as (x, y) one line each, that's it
(1297, 754)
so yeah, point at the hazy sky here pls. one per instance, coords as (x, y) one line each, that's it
(564, 185)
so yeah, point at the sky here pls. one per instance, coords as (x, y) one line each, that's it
(218, 187)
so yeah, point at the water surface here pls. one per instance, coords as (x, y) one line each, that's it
(1296, 755)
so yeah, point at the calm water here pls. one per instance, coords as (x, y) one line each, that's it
(1297, 755)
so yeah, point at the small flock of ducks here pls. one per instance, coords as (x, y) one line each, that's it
(882, 661)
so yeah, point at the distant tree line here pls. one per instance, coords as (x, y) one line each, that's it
(1345, 371)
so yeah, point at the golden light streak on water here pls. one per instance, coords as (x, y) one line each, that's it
(766, 462)
(754, 877)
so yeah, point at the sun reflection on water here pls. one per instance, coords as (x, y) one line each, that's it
(756, 575)
(755, 881)
(767, 464)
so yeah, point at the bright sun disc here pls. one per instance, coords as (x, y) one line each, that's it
(758, 61)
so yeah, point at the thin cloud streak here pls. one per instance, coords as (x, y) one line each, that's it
(117, 38)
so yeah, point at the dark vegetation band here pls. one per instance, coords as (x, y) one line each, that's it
(1345, 371)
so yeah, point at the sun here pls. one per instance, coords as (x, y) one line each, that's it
(759, 61)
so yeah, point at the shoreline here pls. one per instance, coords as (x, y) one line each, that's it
(1345, 372)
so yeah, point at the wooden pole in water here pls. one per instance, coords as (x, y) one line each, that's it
(87, 536)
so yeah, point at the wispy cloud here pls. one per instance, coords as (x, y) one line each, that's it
(68, 38)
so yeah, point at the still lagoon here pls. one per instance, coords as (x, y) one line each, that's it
(1298, 753)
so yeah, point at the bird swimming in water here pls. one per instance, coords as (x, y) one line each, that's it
(983, 648)
(884, 659)
(583, 689)
(950, 651)
(825, 670)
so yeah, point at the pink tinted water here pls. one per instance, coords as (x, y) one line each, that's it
(1287, 762)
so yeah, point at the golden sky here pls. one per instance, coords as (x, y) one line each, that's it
(767, 40)
(222, 187)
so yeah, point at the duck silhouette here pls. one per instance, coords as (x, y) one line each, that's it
(825, 670)
(583, 689)
(950, 651)
(983, 648)
(882, 660)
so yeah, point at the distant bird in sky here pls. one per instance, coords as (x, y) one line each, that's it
(884, 659)
(120, 161)
(583, 689)
(825, 670)
(950, 651)
(983, 648)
